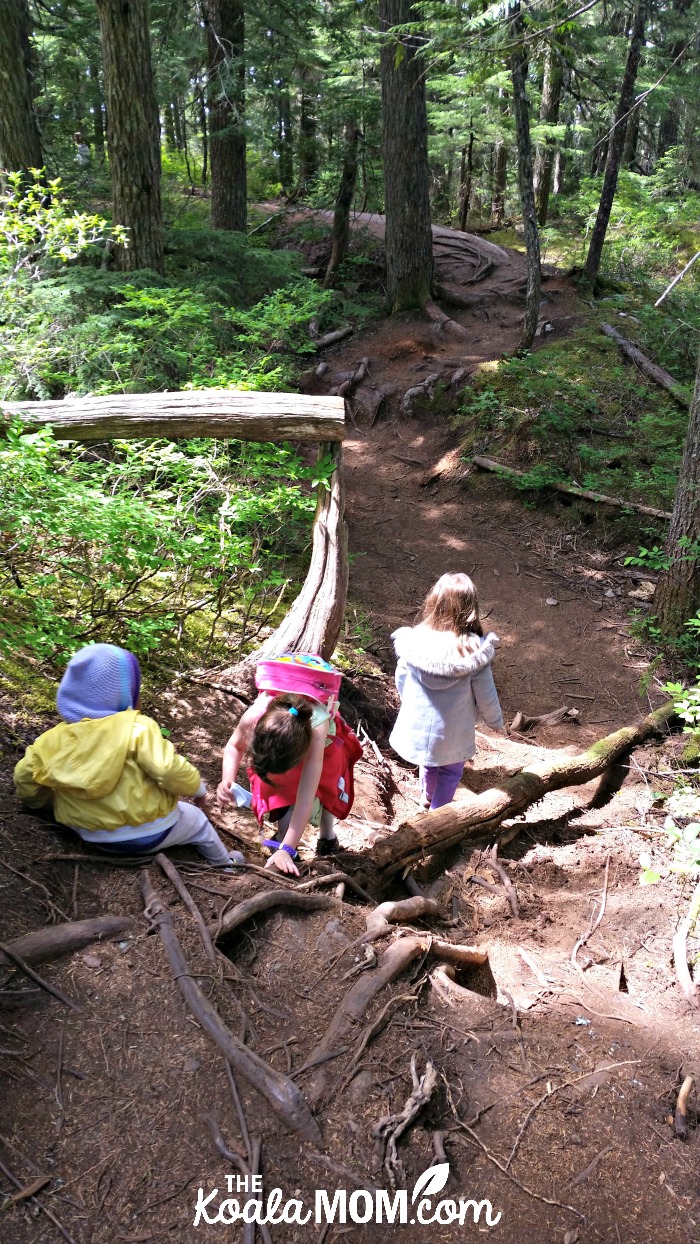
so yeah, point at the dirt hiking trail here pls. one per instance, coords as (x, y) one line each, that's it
(557, 1072)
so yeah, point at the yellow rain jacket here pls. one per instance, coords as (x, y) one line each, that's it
(104, 773)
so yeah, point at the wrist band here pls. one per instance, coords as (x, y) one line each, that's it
(279, 846)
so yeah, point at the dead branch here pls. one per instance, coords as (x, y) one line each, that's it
(481, 815)
(392, 1127)
(38, 1205)
(521, 723)
(682, 1108)
(330, 339)
(19, 962)
(401, 912)
(595, 921)
(173, 875)
(489, 464)
(44, 945)
(680, 953)
(492, 863)
(282, 1095)
(651, 370)
(332, 879)
(265, 900)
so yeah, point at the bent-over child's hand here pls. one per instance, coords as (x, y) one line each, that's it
(283, 862)
(224, 795)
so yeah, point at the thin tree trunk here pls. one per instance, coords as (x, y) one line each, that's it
(343, 203)
(177, 121)
(98, 124)
(204, 133)
(518, 66)
(227, 142)
(677, 596)
(466, 173)
(20, 141)
(500, 173)
(169, 127)
(629, 153)
(617, 143)
(559, 170)
(133, 138)
(549, 114)
(284, 140)
(409, 242)
(308, 146)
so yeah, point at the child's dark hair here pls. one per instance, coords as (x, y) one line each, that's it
(452, 606)
(282, 736)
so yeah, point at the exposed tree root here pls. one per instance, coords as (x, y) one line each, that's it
(266, 900)
(392, 1127)
(44, 945)
(680, 952)
(281, 1094)
(521, 723)
(401, 912)
(478, 818)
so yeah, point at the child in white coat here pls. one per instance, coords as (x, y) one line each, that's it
(445, 682)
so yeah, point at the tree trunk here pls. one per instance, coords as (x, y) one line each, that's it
(677, 596)
(133, 137)
(20, 141)
(204, 134)
(178, 124)
(227, 143)
(500, 173)
(518, 66)
(169, 127)
(559, 170)
(629, 152)
(343, 203)
(98, 121)
(466, 182)
(549, 114)
(409, 243)
(285, 145)
(616, 143)
(308, 146)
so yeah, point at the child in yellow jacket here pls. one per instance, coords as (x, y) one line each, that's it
(108, 772)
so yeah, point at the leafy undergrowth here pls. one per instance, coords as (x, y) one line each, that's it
(575, 412)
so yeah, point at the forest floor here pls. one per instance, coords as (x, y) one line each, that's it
(556, 1080)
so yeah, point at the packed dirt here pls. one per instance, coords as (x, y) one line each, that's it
(557, 1071)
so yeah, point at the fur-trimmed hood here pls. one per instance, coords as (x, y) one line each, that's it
(438, 658)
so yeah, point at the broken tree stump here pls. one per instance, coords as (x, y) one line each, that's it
(481, 815)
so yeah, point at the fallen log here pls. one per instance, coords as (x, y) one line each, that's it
(45, 945)
(651, 370)
(225, 413)
(480, 817)
(489, 464)
(281, 1094)
(265, 900)
(522, 723)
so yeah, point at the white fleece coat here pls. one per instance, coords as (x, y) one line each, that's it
(444, 691)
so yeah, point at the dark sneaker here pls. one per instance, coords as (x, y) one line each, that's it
(327, 846)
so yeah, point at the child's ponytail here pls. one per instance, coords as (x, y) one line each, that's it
(282, 736)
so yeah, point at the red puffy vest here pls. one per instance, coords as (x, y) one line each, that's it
(336, 790)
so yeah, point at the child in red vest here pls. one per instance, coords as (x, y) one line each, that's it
(301, 752)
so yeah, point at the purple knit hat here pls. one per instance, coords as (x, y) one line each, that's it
(99, 680)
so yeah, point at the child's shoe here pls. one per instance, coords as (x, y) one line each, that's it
(327, 846)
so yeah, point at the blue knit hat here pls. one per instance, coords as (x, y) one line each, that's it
(99, 680)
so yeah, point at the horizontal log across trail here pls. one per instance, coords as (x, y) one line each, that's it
(228, 414)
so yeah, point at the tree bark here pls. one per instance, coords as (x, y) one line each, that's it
(227, 143)
(133, 136)
(481, 815)
(616, 143)
(466, 174)
(549, 114)
(224, 413)
(677, 596)
(98, 122)
(500, 174)
(409, 243)
(204, 134)
(20, 141)
(308, 145)
(285, 145)
(518, 66)
(343, 203)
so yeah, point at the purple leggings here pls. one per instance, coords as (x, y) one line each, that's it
(438, 783)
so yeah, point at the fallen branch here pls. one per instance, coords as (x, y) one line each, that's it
(594, 922)
(489, 464)
(282, 1095)
(44, 945)
(19, 962)
(651, 370)
(330, 339)
(264, 901)
(39, 1205)
(479, 817)
(680, 952)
